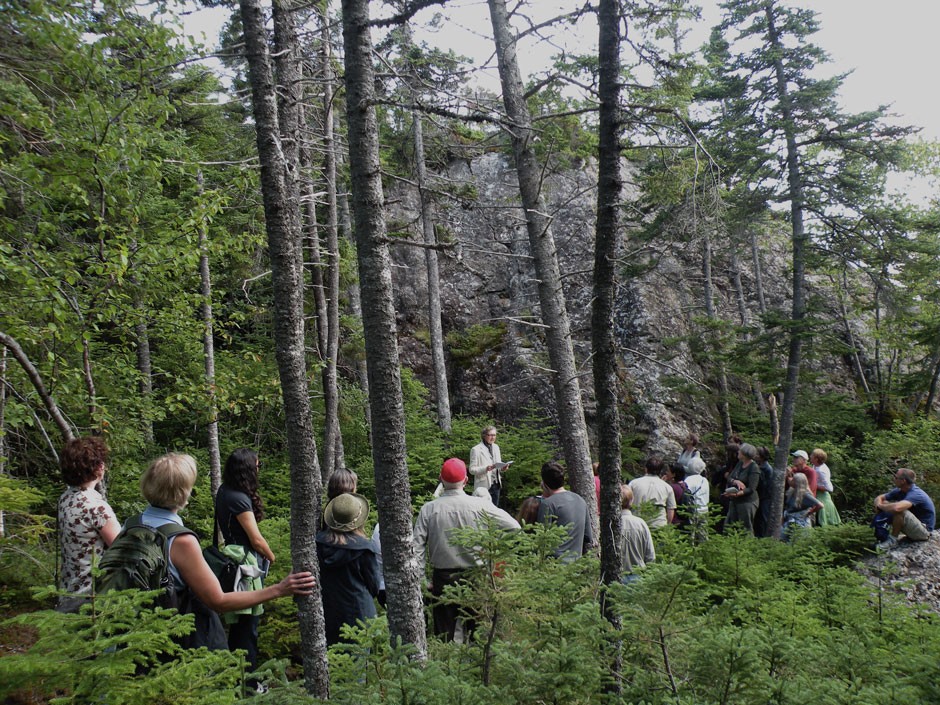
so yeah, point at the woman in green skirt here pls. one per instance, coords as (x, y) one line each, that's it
(828, 515)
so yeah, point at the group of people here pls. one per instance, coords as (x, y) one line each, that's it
(744, 487)
(87, 525)
(350, 563)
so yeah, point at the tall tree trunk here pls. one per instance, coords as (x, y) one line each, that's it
(606, 248)
(402, 567)
(745, 321)
(932, 392)
(708, 292)
(542, 245)
(332, 435)
(313, 260)
(144, 366)
(850, 337)
(208, 352)
(758, 273)
(798, 311)
(282, 222)
(434, 277)
(355, 302)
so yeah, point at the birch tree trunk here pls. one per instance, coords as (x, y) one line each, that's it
(282, 222)
(393, 492)
(208, 352)
(144, 366)
(11, 344)
(542, 245)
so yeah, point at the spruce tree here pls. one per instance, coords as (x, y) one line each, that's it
(795, 137)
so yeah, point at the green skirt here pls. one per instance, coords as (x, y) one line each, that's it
(828, 515)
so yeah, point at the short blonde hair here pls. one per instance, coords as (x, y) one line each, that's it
(820, 454)
(626, 496)
(169, 481)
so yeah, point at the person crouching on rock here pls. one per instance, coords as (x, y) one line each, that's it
(906, 509)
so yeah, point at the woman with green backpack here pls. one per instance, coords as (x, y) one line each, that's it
(167, 485)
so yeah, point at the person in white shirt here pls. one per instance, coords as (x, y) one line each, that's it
(698, 488)
(485, 464)
(636, 542)
(651, 489)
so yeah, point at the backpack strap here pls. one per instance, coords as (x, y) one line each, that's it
(170, 530)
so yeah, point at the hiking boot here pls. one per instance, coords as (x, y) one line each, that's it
(888, 543)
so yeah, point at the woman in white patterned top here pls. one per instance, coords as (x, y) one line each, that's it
(87, 524)
(828, 515)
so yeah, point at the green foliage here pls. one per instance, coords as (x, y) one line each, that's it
(565, 140)
(474, 342)
(278, 634)
(118, 650)
(26, 558)
(866, 472)
(731, 620)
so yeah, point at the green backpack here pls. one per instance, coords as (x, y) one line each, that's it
(139, 558)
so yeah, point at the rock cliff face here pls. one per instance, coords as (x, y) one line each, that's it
(487, 278)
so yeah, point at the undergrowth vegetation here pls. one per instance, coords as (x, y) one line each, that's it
(730, 620)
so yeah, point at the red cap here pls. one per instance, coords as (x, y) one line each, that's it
(453, 470)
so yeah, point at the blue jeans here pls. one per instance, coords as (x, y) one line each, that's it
(494, 494)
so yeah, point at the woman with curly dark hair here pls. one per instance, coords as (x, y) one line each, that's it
(86, 522)
(238, 509)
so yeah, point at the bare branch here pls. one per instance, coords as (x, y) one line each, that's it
(14, 347)
(409, 11)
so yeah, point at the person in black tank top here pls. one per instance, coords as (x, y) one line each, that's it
(238, 509)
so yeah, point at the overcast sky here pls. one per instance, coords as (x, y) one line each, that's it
(890, 45)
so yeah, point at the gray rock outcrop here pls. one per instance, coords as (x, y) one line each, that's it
(487, 278)
(909, 569)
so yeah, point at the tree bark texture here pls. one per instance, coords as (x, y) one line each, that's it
(35, 378)
(393, 491)
(606, 248)
(435, 328)
(208, 352)
(144, 366)
(332, 436)
(282, 222)
(798, 311)
(542, 245)
(708, 294)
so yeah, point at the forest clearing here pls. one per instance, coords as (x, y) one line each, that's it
(328, 243)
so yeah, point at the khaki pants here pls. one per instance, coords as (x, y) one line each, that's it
(913, 528)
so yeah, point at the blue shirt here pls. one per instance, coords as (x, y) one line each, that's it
(922, 505)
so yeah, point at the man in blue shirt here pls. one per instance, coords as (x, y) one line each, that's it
(904, 510)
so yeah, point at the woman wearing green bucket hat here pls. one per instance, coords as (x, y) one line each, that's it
(349, 570)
